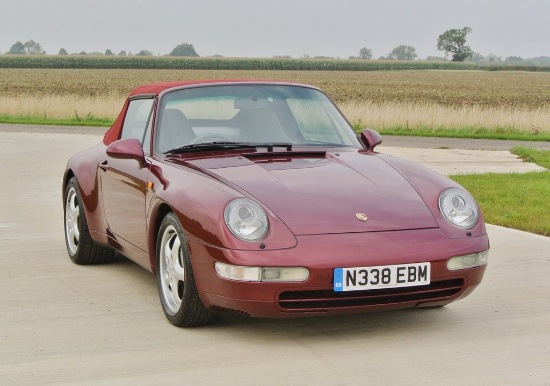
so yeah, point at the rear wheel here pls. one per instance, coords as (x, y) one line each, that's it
(80, 246)
(176, 283)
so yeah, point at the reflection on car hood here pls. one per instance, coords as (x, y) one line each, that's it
(322, 193)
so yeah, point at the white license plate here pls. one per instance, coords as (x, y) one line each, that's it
(383, 276)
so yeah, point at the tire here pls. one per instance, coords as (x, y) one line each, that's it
(175, 280)
(80, 246)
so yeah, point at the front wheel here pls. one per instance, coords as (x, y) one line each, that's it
(176, 283)
(80, 246)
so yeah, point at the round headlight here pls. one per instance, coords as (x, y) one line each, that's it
(246, 219)
(459, 208)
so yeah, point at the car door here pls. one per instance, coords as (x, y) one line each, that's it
(124, 181)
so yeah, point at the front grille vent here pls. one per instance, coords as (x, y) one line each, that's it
(328, 299)
(228, 310)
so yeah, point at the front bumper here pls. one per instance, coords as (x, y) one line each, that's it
(320, 254)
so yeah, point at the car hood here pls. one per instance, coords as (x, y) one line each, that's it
(324, 193)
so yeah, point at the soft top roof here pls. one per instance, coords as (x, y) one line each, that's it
(157, 88)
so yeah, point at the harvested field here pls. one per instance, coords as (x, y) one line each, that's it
(498, 99)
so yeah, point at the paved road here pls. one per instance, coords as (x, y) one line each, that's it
(66, 324)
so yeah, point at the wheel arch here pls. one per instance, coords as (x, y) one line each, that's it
(155, 220)
(66, 178)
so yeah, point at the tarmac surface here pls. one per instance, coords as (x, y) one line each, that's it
(66, 324)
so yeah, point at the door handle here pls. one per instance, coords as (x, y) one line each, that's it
(104, 165)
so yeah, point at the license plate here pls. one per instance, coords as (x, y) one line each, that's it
(383, 276)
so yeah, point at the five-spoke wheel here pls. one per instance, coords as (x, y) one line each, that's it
(80, 246)
(177, 290)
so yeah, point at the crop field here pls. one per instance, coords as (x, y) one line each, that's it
(381, 99)
(196, 63)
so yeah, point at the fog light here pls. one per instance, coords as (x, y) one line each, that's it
(259, 274)
(468, 261)
(285, 274)
(271, 274)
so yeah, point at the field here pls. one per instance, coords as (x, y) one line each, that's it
(385, 100)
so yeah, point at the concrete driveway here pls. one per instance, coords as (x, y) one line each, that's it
(66, 324)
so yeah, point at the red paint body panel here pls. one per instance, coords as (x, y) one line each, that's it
(310, 196)
(321, 195)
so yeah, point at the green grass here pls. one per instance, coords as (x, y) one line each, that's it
(76, 121)
(465, 132)
(519, 201)
(541, 158)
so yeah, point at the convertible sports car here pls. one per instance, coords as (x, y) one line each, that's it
(258, 198)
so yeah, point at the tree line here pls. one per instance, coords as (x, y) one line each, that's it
(452, 42)
(33, 48)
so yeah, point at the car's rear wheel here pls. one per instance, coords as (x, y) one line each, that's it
(80, 246)
(176, 283)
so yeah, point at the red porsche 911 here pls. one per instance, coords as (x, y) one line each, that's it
(258, 198)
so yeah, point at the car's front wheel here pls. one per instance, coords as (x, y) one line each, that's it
(80, 246)
(176, 283)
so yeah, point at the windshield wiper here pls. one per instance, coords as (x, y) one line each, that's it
(227, 145)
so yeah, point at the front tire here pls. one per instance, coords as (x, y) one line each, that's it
(80, 246)
(175, 280)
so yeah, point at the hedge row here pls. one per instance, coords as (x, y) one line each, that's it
(517, 68)
(179, 63)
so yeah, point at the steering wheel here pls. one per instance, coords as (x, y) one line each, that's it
(211, 137)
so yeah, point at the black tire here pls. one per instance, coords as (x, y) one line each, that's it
(175, 280)
(80, 246)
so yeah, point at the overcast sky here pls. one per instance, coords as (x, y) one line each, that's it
(260, 28)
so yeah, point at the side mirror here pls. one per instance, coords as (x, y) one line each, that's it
(371, 138)
(129, 148)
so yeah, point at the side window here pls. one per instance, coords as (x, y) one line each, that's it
(137, 119)
(146, 144)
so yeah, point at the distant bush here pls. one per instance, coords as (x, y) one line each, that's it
(503, 67)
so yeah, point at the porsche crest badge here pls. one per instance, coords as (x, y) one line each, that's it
(361, 216)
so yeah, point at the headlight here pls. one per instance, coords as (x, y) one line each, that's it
(246, 219)
(459, 208)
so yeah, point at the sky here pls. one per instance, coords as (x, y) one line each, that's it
(260, 28)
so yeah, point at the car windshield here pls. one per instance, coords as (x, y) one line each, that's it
(250, 114)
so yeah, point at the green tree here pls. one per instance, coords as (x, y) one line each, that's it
(122, 53)
(453, 42)
(108, 52)
(33, 48)
(184, 49)
(514, 60)
(144, 53)
(403, 52)
(63, 51)
(365, 53)
(477, 58)
(17, 49)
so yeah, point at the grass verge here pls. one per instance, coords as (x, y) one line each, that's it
(464, 132)
(518, 201)
(541, 158)
(467, 132)
(76, 121)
